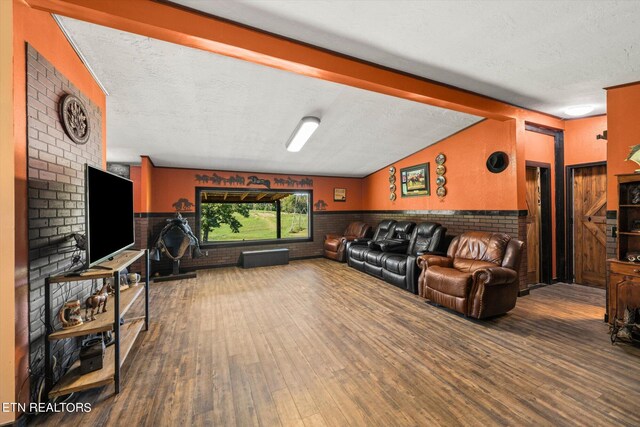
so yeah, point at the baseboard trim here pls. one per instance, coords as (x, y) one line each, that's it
(192, 269)
(524, 292)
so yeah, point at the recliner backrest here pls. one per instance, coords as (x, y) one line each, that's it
(426, 237)
(477, 249)
(358, 229)
(384, 229)
(402, 230)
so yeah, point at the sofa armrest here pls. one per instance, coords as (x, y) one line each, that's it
(362, 241)
(426, 261)
(394, 245)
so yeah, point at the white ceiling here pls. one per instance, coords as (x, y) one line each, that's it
(189, 108)
(542, 55)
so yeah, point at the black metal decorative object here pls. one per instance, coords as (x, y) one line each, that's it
(320, 205)
(183, 204)
(254, 180)
(75, 119)
(497, 162)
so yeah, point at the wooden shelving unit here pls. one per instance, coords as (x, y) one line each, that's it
(117, 307)
(628, 241)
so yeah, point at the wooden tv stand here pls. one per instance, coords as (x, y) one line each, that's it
(117, 306)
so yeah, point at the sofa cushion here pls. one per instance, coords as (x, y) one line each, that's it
(449, 281)
(396, 263)
(374, 258)
(332, 244)
(358, 253)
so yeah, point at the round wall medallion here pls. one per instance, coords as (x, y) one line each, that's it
(497, 162)
(392, 188)
(75, 119)
(392, 179)
(440, 159)
(441, 192)
(440, 170)
(440, 181)
(392, 170)
(392, 197)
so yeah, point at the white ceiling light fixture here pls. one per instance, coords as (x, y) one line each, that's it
(302, 133)
(578, 110)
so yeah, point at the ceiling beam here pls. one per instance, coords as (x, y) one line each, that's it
(243, 196)
(261, 196)
(197, 30)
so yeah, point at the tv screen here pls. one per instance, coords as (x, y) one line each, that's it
(109, 214)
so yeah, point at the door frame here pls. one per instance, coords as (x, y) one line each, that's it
(571, 275)
(546, 236)
(560, 199)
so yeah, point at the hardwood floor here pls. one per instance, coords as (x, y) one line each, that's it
(319, 343)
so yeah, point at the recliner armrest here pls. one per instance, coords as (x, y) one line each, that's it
(495, 276)
(426, 261)
(332, 236)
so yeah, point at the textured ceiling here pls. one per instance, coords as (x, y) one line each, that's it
(189, 108)
(542, 55)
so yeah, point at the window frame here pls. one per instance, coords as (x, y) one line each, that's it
(276, 241)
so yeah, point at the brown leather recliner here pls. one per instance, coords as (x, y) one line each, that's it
(335, 245)
(478, 277)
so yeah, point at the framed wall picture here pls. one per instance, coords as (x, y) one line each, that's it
(415, 180)
(339, 194)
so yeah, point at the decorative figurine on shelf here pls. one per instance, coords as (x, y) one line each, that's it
(634, 192)
(69, 314)
(95, 301)
(173, 241)
(634, 155)
(633, 256)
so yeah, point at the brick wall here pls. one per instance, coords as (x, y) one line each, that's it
(147, 227)
(55, 200)
(323, 223)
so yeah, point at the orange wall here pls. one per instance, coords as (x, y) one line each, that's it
(40, 30)
(623, 117)
(470, 186)
(580, 143)
(540, 148)
(170, 184)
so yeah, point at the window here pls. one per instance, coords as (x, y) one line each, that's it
(237, 216)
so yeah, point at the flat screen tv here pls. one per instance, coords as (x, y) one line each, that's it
(108, 215)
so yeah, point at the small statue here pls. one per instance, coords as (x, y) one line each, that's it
(95, 301)
(635, 194)
(69, 314)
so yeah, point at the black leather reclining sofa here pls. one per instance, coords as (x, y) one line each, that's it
(392, 251)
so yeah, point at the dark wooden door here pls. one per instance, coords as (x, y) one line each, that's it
(533, 225)
(589, 222)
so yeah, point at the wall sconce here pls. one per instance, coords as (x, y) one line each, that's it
(603, 135)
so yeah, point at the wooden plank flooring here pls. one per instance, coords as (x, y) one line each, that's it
(317, 343)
